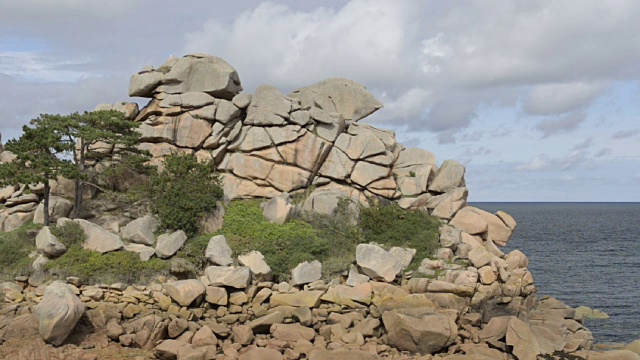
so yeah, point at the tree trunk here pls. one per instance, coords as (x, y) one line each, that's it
(76, 199)
(47, 191)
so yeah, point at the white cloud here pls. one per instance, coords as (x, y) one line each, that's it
(625, 134)
(561, 125)
(549, 99)
(35, 67)
(540, 162)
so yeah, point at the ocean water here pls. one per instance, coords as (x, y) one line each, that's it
(584, 254)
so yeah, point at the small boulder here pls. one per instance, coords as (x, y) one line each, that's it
(99, 239)
(378, 263)
(140, 230)
(278, 209)
(425, 334)
(145, 252)
(48, 245)
(235, 277)
(306, 272)
(58, 312)
(449, 177)
(218, 251)
(254, 260)
(184, 292)
(169, 244)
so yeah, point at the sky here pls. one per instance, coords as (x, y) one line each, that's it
(539, 99)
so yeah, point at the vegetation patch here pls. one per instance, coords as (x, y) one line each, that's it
(15, 247)
(184, 192)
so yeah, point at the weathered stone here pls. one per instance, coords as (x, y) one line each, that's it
(191, 132)
(254, 260)
(58, 312)
(145, 252)
(469, 221)
(58, 208)
(236, 277)
(218, 251)
(242, 335)
(204, 337)
(480, 257)
(425, 334)
(213, 221)
(524, 342)
(48, 245)
(99, 239)
(449, 177)
(360, 147)
(348, 296)
(140, 230)
(185, 292)
(302, 298)
(445, 206)
(258, 353)
(168, 349)
(496, 229)
(268, 107)
(346, 97)
(216, 295)
(169, 244)
(292, 332)
(242, 101)
(143, 84)
(337, 165)
(202, 73)
(306, 272)
(507, 220)
(414, 156)
(262, 324)
(377, 263)
(278, 209)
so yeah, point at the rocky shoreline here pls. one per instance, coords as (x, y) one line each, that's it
(469, 300)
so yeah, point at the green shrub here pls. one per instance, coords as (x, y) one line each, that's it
(193, 251)
(93, 267)
(342, 234)
(184, 192)
(392, 226)
(70, 233)
(15, 247)
(283, 246)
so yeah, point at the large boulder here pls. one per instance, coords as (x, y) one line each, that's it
(140, 230)
(268, 107)
(169, 244)
(58, 312)
(99, 239)
(378, 263)
(48, 245)
(201, 73)
(425, 334)
(348, 98)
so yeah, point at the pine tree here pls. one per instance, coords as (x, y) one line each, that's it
(38, 156)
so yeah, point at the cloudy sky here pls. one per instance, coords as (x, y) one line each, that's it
(539, 99)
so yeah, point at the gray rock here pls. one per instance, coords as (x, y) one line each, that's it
(58, 208)
(278, 209)
(145, 83)
(22, 199)
(188, 100)
(414, 156)
(140, 230)
(169, 244)
(306, 272)
(242, 101)
(48, 245)
(58, 312)
(446, 206)
(218, 251)
(348, 98)
(450, 237)
(449, 177)
(185, 292)
(227, 111)
(99, 239)
(202, 73)
(236, 277)
(254, 260)
(426, 334)
(364, 173)
(268, 107)
(145, 252)
(378, 263)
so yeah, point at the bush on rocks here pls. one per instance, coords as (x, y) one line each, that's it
(184, 192)
(15, 247)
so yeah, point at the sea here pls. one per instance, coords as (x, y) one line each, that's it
(583, 254)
